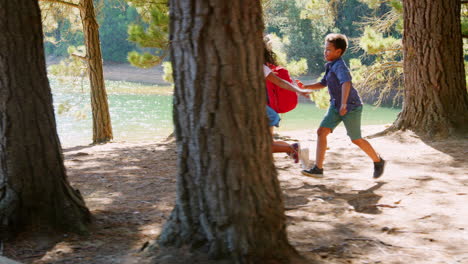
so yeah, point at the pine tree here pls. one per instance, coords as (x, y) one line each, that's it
(34, 189)
(102, 127)
(229, 203)
(436, 98)
(152, 33)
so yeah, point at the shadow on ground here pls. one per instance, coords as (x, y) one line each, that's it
(128, 196)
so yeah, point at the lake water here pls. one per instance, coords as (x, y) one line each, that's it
(146, 117)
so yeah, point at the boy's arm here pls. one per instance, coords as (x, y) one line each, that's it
(286, 85)
(345, 88)
(314, 86)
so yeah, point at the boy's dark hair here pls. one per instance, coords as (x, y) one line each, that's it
(339, 41)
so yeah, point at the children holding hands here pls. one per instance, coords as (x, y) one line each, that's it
(345, 105)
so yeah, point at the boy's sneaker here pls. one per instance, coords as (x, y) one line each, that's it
(314, 172)
(294, 154)
(379, 168)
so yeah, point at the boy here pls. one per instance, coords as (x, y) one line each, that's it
(345, 105)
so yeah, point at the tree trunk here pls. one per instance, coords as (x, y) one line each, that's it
(102, 129)
(229, 203)
(34, 190)
(436, 100)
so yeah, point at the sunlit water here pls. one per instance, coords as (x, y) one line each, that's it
(308, 116)
(140, 117)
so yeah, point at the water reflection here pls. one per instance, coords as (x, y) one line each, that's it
(147, 117)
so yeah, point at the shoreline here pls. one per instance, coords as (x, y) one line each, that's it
(290, 135)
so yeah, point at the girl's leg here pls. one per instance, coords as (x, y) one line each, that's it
(281, 146)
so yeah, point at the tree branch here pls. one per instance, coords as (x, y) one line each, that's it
(79, 56)
(61, 2)
(464, 2)
(465, 35)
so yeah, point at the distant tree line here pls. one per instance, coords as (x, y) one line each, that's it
(293, 21)
(136, 31)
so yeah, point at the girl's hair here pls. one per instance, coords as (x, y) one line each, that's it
(270, 56)
(339, 41)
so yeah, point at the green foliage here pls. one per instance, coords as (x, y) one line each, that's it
(295, 67)
(73, 66)
(379, 72)
(167, 66)
(397, 5)
(151, 32)
(62, 28)
(374, 43)
(114, 18)
(374, 4)
(464, 20)
(319, 10)
(350, 14)
(321, 98)
(144, 60)
(301, 32)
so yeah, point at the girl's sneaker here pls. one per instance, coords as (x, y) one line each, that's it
(294, 154)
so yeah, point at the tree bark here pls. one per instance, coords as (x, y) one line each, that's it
(436, 100)
(34, 190)
(102, 128)
(228, 203)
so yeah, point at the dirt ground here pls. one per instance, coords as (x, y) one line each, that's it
(129, 73)
(416, 213)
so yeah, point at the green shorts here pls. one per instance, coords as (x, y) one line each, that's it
(351, 120)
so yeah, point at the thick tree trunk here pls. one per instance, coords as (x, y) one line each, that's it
(436, 100)
(34, 190)
(229, 203)
(102, 129)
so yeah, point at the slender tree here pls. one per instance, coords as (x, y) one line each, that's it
(34, 189)
(229, 203)
(435, 100)
(102, 128)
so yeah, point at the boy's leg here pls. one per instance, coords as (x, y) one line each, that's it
(379, 163)
(317, 170)
(330, 121)
(367, 148)
(322, 134)
(352, 122)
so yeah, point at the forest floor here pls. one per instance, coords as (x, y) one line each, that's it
(416, 213)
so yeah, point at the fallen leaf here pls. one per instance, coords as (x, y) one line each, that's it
(386, 205)
(424, 217)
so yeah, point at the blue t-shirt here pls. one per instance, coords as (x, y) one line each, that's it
(336, 74)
